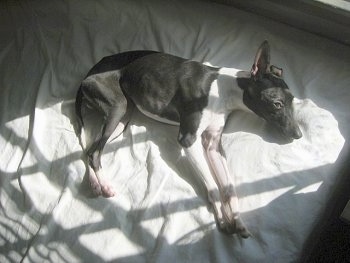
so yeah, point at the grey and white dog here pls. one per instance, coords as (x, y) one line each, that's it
(196, 97)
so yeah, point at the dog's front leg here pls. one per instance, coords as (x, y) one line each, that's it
(211, 140)
(196, 156)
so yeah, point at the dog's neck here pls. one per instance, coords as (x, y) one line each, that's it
(229, 90)
(235, 73)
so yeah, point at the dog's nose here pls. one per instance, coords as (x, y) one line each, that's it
(297, 133)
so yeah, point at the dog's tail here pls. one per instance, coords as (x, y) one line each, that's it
(80, 123)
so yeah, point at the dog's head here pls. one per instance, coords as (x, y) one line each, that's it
(267, 94)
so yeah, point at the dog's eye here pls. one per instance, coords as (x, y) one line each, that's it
(278, 104)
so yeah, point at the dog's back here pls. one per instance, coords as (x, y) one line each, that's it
(118, 61)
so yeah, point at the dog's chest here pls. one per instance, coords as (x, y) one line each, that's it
(221, 99)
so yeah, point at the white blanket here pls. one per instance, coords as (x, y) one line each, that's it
(160, 212)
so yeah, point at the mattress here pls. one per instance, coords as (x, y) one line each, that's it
(160, 212)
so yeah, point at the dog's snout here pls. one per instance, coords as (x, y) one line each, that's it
(297, 133)
(292, 132)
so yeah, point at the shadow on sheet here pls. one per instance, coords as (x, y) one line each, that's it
(41, 233)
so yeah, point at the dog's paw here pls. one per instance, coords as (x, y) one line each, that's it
(107, 190)
(103, 189)
(100, 188)
(187, 139)
(94, 183)
(95, 188)
(235, 226)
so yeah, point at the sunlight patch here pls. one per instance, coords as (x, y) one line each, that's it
(309, 189)
(123, 248)
(76, 208)
(41, 191)
(16, 134)
(262, 199)
(52, 252)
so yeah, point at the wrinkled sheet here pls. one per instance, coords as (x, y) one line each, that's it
(160, 212)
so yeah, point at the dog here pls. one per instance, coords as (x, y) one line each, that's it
(196, 97)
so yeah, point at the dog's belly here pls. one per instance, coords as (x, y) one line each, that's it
(167, 116)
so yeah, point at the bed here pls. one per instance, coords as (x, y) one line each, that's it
(160, 213)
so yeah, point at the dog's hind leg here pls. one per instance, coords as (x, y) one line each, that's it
(98, 184)
(103, 93)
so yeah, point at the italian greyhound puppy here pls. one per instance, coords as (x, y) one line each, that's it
(196, 97)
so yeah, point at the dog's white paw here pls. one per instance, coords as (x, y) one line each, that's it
(107, 190)
(99, 186)
(235, 226)
(228, 222)
(95, 187)
(103, 189)
(231, 222)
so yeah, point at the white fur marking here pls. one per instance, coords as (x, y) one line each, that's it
(156, 117)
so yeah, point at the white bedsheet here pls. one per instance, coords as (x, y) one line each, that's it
(160, 213)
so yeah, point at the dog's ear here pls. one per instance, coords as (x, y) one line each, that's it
(262, 60)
